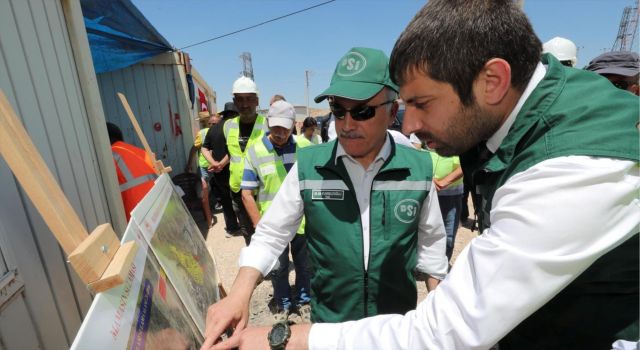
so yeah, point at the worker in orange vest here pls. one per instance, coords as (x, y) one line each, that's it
(134, 167)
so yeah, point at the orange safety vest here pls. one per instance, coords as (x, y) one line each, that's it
(135, 174)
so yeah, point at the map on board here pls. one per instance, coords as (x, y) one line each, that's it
(178, 244)
(162, 303)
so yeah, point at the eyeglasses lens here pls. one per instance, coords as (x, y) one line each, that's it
(358, 113)
(620, 84)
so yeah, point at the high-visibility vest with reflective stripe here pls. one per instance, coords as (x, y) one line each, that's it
(236, 155)
(135, 175)
(271, 173)
(202, 161)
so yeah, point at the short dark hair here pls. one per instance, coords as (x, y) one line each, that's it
(309, 122)
(451, 40)
(115, 134)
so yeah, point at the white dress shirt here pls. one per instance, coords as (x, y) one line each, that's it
(546, 229)
(278, 227)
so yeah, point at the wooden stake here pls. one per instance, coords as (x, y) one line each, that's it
(30, 169)
(159, 167)
(89, 255)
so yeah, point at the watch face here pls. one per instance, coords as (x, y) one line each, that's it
(278, 334)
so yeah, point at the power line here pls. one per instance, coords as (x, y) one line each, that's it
(257, 25)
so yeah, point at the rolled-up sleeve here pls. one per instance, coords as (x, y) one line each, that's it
(432, 239)
(276, 228)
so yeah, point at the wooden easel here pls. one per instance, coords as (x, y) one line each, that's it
(159, 167)
(98, 258)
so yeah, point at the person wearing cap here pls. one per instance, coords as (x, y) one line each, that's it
(554, 152)
(265, 167)
(372, 220)
(622, 68)
(214, 149)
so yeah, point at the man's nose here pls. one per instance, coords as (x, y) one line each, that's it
(349, 123)
(411, 122)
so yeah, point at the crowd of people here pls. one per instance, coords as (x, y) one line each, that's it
(549, 153)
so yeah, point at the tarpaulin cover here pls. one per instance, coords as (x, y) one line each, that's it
(119, 35)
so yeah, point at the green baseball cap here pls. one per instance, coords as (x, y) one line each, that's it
(359, 75)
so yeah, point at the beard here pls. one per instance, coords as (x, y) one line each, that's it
(467, 128)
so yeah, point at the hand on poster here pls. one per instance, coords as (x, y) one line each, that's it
(232, 311)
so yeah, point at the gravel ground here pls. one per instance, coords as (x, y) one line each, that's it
(227, 250)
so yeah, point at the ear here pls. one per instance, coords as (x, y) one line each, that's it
(494, 81)
(393, 112)
(635, 89)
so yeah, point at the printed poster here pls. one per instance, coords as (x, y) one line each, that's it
(179, 247)
(162, 303)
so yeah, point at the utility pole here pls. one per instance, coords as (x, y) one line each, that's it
(247, 66)
(306, 90)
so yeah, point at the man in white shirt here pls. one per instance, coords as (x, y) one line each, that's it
(372, 220)
(557, 264)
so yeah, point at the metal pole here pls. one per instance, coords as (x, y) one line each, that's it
(306, 90)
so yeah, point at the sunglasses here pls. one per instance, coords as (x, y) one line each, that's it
(358, 113)
(621, 84)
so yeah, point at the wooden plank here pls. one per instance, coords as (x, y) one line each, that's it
(117, 271)
(91, 182)
(136, 78)
(93, 255)
(20, 220)
(37, 181)
(136, 126)
(61, 112)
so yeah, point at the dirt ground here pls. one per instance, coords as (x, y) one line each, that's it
(227, 250)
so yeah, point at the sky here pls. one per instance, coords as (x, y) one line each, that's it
(315, 40)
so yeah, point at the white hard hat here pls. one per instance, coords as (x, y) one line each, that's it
(563, 49)
(244, 85)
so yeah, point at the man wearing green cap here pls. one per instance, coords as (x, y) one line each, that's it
(371, 217)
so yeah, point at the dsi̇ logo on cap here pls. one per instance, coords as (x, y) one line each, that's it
(407, 210)
(351, 64)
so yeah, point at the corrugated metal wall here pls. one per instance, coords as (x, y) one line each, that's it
(39, 76)
(156, 93)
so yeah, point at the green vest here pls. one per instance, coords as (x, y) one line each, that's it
(236, 155)
(341, 288)
(202, 161)
(601, 305)
(271, 173)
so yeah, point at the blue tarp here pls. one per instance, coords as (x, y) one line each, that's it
(119, 35)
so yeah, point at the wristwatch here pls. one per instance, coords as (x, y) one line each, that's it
(279, 335)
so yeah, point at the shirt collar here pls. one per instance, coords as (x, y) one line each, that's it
(493, 143)
(384, 153)
(267, 143)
